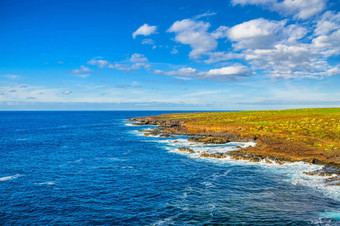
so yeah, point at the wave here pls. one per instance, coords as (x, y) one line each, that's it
(45, 183)
(10, 177)
(295, 173)
(129, 124)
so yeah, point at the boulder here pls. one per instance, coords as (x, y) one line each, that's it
(185, 149)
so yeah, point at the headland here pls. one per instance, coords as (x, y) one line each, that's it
(308, 135)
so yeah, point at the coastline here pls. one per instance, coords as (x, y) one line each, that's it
(269, 147)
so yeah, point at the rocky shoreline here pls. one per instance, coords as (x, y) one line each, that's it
(267, 149)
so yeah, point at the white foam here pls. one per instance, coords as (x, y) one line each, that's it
(165, 221)
(116, 159)
(10, 177)
(293, 173)
(208, 184)
(46, 183)
(136, 133)
(79, 160)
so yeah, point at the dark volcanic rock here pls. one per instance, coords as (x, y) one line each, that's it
(325, 171)
(166, 135)
(209, 140)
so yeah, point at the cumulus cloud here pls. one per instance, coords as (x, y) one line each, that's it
(220, 32)
(138, 58)
(327, 34)
(291, 61)
(100, 63)
(229, 73)
(195, 34)
(149, 42)
(258, 33)
(215, 57)
(281, 51)
(82, 70)
(293, 33)
(330, 21)
(299, 9)
(145, 30)
(136, 61)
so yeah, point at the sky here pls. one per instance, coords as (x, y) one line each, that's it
(169, 54)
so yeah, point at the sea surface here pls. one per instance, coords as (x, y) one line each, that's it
(95, 168)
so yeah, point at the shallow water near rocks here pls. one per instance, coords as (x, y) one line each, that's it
(92, 168)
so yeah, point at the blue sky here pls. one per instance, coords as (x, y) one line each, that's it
(169, 54)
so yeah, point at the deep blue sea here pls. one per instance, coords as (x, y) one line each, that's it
(94, 168)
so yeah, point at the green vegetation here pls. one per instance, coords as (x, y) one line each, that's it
(317, 128)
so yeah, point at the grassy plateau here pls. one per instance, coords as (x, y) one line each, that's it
(311, 135)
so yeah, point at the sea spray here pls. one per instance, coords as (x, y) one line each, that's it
(294, 173)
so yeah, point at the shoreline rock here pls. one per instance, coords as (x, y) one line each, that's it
(267, 148)
(185, 149)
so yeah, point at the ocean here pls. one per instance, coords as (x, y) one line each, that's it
(95, 168)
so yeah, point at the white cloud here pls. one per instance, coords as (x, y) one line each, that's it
(99, 63)
(67, 92)
(251, 2)
(82, 70)
(148, 41)
(195, 34)
(206, 14)
(27, 93)
(82, 75)
(293, 32)
(229, 73)
(119, 66)
(136, 61)
(299, 9)
(215, 57)
(327, 34)
(258, 33)
(145, 30)
(11, 76)
(288, 52)
(284, 49)
(174, 50)
(220, 32)
(137, 57)
(235, 70)
(329, 22)
(291, 61)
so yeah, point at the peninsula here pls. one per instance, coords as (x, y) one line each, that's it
(309, 135)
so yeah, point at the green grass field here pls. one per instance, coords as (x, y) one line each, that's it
(318, 127)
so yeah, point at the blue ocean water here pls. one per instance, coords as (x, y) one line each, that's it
(93, 168)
